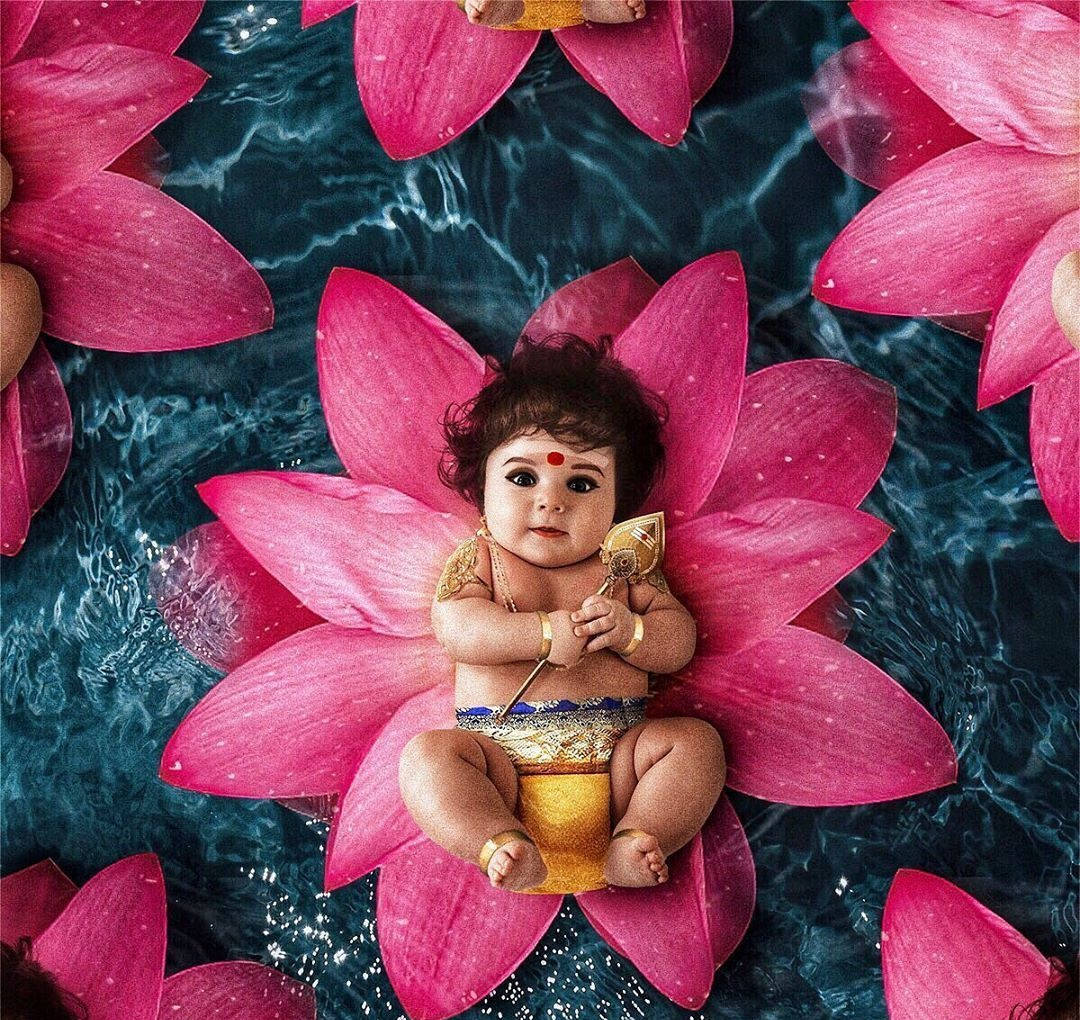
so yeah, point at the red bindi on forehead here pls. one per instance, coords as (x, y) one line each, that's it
(555, 458)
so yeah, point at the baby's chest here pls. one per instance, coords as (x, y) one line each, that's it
(535, 588)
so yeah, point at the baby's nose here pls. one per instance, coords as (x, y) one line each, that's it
(546, 501)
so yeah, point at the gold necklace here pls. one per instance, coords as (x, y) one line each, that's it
(497, 567)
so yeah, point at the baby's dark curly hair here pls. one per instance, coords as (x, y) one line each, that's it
(29, 992)
(573, 389)
(1060, 1002)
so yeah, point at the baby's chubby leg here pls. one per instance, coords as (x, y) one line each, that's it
(666, 776)
(461, 789)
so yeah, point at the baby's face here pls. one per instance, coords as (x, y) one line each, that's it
(546, 502)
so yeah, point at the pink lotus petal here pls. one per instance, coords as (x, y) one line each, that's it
(16, 19)
(829, 615)
(71, 114)
(706, 35)
(807, 721)
(108, 946)
(730, 881)
(945, 218)
(123, 267)
(640, 67)
(158, 25)
(815, 429)
(221, 605)
(746, 573)
(31, 899)
(314, 11)
(426, 74)
(14, 504)
(872, 120)
(358, 555)
(944, 956)
(236, 990)
(1011, 77)
(1026, 340)
(293, 721)
(145, 161)
(602, 302)
(676, 953)
(45, 419)
(447, 937)
(689, 344)
(387, 370)
(1068, 7)
(1055, 445)
(372, 821)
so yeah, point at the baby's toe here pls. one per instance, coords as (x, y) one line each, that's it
(646, 845)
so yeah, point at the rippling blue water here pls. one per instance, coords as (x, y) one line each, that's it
(971, 605)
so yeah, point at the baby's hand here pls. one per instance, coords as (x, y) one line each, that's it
(606, 622)
(566, 644)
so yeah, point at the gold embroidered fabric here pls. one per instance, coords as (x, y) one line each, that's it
(459, 571)
(558, 738)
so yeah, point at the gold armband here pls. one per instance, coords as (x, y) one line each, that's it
(639, 633)
(459, 571)
(545, 635)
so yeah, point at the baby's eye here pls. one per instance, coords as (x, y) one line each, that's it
(581, 484)
(524, 478)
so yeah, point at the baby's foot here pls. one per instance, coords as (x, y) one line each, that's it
(613, 12)
(494, 12)
(517, 865)
(635, 860)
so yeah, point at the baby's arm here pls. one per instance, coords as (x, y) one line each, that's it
(670, 633)
(478, 631)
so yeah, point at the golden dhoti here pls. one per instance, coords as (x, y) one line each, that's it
(562, 752)
(544, 14)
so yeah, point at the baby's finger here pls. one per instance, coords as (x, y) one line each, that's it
(596, 600)
(599, 642)
(600, 626)
(593, 612)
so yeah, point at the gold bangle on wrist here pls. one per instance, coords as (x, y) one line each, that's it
(545, 635)
(639, 633)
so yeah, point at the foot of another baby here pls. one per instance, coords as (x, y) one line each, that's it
(494, 13)
(613, 12)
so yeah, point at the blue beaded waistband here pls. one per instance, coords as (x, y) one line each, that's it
(561, 705)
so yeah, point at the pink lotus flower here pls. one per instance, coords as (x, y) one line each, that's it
(315, 592)
(105, 943)
(426, 74)
(967, 114)
(121, 267)
(944, 956)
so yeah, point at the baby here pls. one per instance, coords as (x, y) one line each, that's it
(574, 789)
(553, 14)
